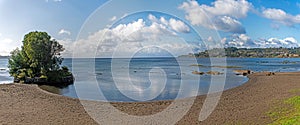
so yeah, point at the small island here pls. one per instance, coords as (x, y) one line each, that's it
(39, 62)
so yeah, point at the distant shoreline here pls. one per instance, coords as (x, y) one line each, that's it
(248, 52)
(4, 57)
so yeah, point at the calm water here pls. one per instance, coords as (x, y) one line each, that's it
(156, 78)
(4, 76)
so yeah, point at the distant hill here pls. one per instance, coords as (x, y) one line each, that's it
(248, 53)
(4, 57)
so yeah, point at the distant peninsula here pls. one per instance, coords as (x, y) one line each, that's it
(248, 53)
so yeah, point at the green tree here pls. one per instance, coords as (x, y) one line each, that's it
(15, 63)
(42, 53)
(39, 57)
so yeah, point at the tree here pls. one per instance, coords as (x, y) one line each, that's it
(15, 63)
(39, 57)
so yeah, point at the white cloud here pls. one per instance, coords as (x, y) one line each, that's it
(174, 24)
(7, 45)
(240, 41)
(286, 42)
(244, 41)
(179, 26)
(64, 32)
(222, 15)
(228, 24)
(125, 39)
(281, 16)
(113, 18)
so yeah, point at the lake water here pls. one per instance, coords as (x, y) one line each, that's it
(4, 75)
(148, 79)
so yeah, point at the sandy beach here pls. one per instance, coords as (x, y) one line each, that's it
(246, 104)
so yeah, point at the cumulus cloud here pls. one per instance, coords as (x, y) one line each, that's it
(286, 42)
(244, 41)
(125, 39)
(223, 15)
(174, 24)
(64, 32)
(240, 41)
(281, 16)
(229, 24)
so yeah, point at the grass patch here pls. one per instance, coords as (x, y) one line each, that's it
(288, 113)
(294, 91)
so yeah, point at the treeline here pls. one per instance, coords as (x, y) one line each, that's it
(248, 52)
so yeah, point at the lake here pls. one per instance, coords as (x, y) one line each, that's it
(148, 79)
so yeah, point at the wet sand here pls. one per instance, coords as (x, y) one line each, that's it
(246, 104)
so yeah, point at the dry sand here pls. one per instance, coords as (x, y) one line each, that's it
(246, 104)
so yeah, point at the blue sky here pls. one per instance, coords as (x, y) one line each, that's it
(173, 25)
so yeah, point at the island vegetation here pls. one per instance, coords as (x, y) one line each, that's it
(39, 61)
(248, 53)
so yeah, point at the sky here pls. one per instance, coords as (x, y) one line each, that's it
(122, 28)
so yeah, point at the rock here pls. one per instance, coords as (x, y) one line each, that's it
(270, 73)
(243, 72)
(16, 80)
(214, 73)
(198, 73)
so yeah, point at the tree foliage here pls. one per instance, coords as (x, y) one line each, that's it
(39, 57)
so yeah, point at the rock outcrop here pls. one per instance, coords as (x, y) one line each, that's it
(243, 72)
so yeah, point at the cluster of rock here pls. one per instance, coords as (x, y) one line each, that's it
(243, 72)
(64, 81)
(209, 73)
(238, 72)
